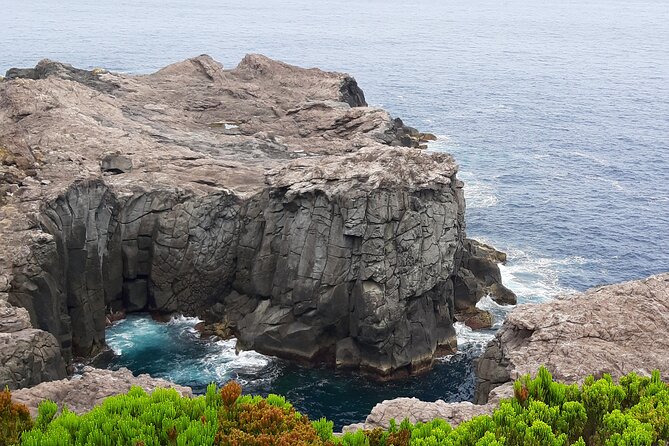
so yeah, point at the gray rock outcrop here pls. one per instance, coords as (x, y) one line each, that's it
(83, 392)
(271, 193)
(615, 329)
(416, 410)
(28, 356)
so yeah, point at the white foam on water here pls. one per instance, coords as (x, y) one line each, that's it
(533, 278)
(592, 157)
(479, 193)
(220, 363)
(184, 320)
(246, 361)
(472, 340)
(498, 311)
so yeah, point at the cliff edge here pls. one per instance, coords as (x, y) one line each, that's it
(615, 329)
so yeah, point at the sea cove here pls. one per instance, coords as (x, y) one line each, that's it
(150, 197)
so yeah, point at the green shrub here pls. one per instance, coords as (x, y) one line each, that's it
(135, 419)
(634, 412)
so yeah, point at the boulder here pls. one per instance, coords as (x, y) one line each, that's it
(475, 318)
(27, 356)
(479, 275)
(116, 164)
(416, 410)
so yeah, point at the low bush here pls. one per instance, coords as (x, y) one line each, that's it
(633, 412)
(14, 419)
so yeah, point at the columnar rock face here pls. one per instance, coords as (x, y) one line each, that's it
(615, 329)
(267, 196)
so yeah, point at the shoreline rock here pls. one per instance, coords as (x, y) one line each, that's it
(27, 356)
(416, 410)
(272, 191)
(614, 329)
(574, 336)
(81, 393)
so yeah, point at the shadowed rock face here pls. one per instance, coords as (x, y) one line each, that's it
(267, 196)
(615, 329)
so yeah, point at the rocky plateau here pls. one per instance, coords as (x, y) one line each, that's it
(268, 199)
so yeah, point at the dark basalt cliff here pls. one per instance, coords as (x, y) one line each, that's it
(268, 197)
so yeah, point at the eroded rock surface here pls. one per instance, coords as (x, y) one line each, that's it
(416, 410)
(267, 198)
(83, 392)
(615, 329)
(28, 356)
(421, 411)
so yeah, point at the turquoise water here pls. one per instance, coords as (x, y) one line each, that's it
(175, 351)
(558, 113)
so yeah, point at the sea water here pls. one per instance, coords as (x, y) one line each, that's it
(557, 112)
(176, 352)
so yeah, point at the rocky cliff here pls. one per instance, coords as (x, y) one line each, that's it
(267, 197)
(615, 329)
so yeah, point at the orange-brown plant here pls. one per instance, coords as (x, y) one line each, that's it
(261, 424)
(381, 437)
(14, 419)
(230, 392)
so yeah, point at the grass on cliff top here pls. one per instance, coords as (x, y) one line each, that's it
(633, 412)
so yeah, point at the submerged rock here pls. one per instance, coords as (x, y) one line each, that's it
(614, 329)
(81, 393)
(271, 192)
(475, 318)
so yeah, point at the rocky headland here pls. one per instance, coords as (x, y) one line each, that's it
(267, 198)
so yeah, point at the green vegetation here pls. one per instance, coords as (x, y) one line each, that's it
(634, 412)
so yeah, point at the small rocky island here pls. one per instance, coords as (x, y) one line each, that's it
(269, 200)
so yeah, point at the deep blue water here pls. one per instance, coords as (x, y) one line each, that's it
(558, 113)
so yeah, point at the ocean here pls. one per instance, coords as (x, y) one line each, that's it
(557, 112)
